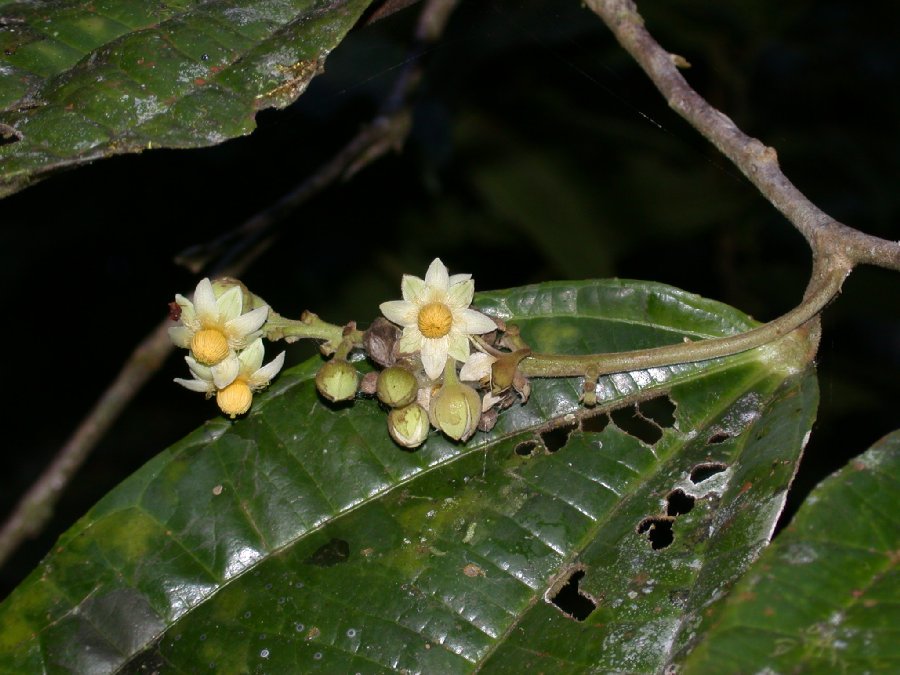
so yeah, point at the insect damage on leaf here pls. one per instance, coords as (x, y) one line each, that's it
(568, 598)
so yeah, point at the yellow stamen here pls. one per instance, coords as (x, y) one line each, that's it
(209, 346)
(235, 399)
(435, 320)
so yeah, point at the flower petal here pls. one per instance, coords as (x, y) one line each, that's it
(460, 295)
(436, 278)
(472, 322)
(477, 367)
(400, 312)
(225, 372)
(413, 288)
(489, 400)
(198, 370)
(181, 336)
(434, 356)
(458, 279)
(195, 384)
(188, 315)
(411, 340)
(252, 357)
(458, 345)
(264, 375)
(247, 324)
(205, 301)
(230, 303)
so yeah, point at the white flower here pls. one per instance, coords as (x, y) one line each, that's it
(213, 328)
(234, 379)
(436, 318)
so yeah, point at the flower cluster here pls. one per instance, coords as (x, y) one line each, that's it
(438, 328)
(225, 343)
(421, 346)
(428, 377)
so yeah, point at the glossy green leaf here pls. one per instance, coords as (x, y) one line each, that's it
(88, 79)
(826, 596)
(301, 539)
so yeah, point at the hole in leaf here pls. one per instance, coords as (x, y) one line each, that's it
(633, 423)
(526, 448)
(658, 530)
(333, 553)
(659, 409)
(594, 423)
(703, 471)
(556, 438)
(570, 600)
(9, 135)
(678, 503)
(718, 437)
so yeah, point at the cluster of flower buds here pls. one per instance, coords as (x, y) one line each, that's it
(225, 344)
(420, 347)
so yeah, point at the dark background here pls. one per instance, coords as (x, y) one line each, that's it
(539, 151)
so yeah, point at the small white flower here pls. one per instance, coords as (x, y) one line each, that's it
(213, 328)
(436, 318)
(234, 379)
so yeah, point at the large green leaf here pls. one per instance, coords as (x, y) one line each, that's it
(88, 79)
(301, 538)
(826, 596)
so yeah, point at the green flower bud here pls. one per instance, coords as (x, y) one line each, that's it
(455, 409)
(337, 380)
(409, 426)
(223, 284)
(396, 387)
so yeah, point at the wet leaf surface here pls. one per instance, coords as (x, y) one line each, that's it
(80, 81)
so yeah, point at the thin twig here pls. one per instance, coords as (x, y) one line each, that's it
(35, 507)
(758, 162)
(836, 248)
(247, 243)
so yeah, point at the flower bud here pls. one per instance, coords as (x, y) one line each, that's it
(223, 284)
(396, 387)
(337, 380)
(408, 426)
(455, 409)
(381, 342)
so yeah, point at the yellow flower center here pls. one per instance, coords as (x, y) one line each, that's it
(209, 346)
(435, 320)
(235, 399)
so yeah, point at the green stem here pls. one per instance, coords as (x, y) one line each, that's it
(310, 326)
(450, 376)
(828, 277)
